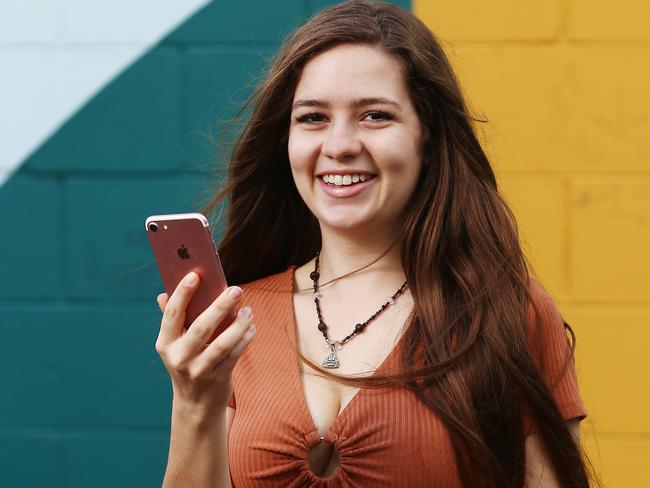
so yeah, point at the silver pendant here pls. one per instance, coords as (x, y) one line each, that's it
(331, 361)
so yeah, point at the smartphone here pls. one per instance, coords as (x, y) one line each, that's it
(182, 243)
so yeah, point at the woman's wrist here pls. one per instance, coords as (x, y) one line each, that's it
(199, 415)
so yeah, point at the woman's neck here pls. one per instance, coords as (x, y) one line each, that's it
(344, 253)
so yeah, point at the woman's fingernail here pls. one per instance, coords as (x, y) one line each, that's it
(246, 312)
(234, 292)
(250, 332)
(190, 279)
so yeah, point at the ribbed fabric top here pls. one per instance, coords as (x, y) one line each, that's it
(385, 437)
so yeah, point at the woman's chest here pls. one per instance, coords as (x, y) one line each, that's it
(365, 353)
(384, 437)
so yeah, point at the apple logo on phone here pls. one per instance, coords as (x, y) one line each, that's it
(183, 252)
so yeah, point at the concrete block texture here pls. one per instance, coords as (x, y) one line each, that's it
(32, 238)
(92, 460)
(597, 20)
(314, 6)
(82, 367)
(539, 207)
(560, 110)
(108, 255)
(33, 21)
(133, 124)
(43, 84)
(618, 459)
(83, 457)
(44, 466)
(606, 107)
(120, 21)
(218, 80)
(255, 21)
(498, 20)
(612, 364)
(610, 238)
(563, 85)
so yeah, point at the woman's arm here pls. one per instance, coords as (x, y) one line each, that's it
(198, 449)
(201, 377)
(539, 472)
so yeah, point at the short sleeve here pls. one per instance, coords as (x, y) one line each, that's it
(551, 349)
(232, 403)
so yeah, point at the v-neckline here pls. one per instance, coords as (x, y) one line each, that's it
(296, 367)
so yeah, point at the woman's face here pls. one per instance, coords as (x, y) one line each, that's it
(355, 139)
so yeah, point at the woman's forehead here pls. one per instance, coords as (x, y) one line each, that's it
(352, 72)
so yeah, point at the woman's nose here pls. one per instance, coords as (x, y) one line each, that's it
(341, 142)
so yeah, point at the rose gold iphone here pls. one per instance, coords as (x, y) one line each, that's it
(182, 243)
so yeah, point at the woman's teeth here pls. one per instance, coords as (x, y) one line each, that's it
(343, 180)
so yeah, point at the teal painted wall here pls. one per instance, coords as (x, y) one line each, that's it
(85, 398)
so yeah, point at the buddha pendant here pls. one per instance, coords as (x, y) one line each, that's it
(332, 360)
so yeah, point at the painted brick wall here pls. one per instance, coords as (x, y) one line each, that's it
(85, 398)
(564, 84)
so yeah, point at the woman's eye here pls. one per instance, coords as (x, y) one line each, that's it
(311, 119)
(377, 116)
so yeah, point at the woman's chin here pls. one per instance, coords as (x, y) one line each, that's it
(353, 225)
(344, 224)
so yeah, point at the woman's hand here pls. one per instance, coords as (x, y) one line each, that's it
(201, 374)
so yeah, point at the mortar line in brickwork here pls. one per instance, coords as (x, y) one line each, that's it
(68, 45)
(598, 43)
(617, 306)
(567, 233)
(546, 43)
(116, 174)
(106, 432)
(62, 292)
(644, 437)
(71, 302)
(244, 44)
(182, 102)
(523, 174)
(564, 21)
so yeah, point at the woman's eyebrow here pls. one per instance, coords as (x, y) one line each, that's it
(310, 103)
(362, 102)
(357, 102)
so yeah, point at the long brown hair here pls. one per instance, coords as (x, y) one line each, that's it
(466, 351)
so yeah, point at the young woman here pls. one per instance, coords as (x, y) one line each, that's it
(400, 340)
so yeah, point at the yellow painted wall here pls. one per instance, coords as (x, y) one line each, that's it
(565, 85)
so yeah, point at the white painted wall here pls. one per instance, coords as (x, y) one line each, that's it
(56, 55)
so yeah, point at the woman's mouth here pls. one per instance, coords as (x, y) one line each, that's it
(343, 186)
(346, 180)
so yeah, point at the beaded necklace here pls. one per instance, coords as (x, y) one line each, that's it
(332, 360)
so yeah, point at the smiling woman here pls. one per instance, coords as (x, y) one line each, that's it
(353, 117)
(367, 231)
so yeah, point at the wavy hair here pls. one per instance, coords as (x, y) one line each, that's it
(466, 352)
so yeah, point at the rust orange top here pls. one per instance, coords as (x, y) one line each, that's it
(385, 437)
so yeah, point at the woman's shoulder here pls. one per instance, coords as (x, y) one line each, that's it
(548, 332)
(542, 308)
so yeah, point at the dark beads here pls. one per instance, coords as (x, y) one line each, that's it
(358, 328)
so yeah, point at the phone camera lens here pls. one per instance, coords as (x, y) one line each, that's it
(153, 227)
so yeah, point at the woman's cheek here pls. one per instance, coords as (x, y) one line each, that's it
(299, 153)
